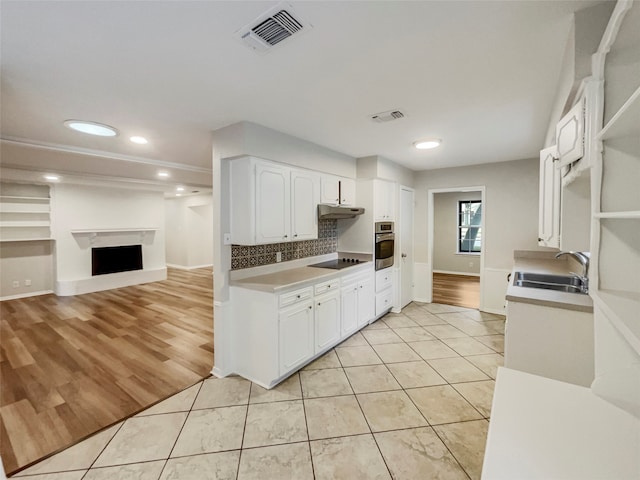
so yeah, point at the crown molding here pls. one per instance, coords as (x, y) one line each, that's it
(23, 142)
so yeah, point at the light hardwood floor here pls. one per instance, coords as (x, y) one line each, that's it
(460, 290)
(71, 366)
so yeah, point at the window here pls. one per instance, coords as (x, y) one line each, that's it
(469, 231)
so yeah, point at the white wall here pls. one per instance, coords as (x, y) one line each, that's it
(445, 245)
(189, 231)
(511, 218)
(77, 207)
(26, 262)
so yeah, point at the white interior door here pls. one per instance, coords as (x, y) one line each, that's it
(406, 246)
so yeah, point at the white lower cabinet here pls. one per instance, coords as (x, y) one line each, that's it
(295, 327)
(327, 320)
(384, 291)
(277, 333)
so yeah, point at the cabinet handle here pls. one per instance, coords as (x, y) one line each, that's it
(310, 307)
(286, 236)
(295, 236)
(318, 303)
(356, 289)
(539, 239)
(298, 296)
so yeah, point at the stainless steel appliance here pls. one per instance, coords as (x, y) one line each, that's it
(385, 243)
(336, 212)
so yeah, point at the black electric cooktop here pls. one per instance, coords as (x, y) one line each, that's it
(339, 263)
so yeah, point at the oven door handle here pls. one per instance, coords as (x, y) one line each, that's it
(381, 237)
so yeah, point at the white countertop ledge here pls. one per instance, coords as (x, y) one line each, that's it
(295, 278)
(544, 262)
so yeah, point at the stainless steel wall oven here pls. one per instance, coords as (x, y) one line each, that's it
(385, 244)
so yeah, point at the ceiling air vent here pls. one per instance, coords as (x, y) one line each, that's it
(272, 27)
(387, 116)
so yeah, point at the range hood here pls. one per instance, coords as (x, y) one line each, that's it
(333, 212)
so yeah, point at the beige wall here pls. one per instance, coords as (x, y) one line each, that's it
(445, 256)
(511, 206)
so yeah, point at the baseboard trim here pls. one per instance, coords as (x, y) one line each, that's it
(184, 267)
(466, 274)
(25, 295)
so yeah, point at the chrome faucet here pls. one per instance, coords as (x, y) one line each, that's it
(584, 261)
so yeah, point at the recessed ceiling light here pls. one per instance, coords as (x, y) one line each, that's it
(92, 128)
(51, 178)
(179, 189)
(178, 194)
(139, 140)
(427, 144)
(163, 174)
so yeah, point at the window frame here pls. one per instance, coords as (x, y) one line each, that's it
(460, 226)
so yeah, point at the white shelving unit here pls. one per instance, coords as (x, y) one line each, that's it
(25, 213)
(615, 227)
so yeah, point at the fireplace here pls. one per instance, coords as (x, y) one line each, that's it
(116, 259)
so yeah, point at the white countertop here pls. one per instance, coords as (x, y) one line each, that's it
(295, 277)
(546, 429)
(544, 262)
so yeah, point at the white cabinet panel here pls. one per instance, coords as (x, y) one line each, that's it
(384, 301)
(366, 301)
(570, 134)
(549, 211)
(383, 200)
(272, 204)
(349, 308)
(327, 320)
(329, 190)
(296, 336)
(305, 197)
(384, 279)
(347, 191)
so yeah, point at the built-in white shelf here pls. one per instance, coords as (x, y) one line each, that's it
(620, 215)
(622, 309)
(25, 224)
(9, 240)
(6, 209)
(13, 197)
(626, 121)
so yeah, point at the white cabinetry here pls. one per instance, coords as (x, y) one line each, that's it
(327, 320)
(570, 134)
(384, 291)
(357, 302)
(549, 211)
(295, 329)
(271, 203)
(337, 190)
(384, 200)
(304, 202)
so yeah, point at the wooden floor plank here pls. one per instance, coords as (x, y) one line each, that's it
(459, 290)
(71, 366)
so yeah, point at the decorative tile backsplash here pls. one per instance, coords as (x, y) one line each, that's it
(256, 255)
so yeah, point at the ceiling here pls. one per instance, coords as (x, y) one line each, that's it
(479, 75)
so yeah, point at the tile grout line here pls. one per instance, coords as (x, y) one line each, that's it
(306, 424)
(244, 430)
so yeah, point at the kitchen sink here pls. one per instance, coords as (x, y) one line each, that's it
(560, 283)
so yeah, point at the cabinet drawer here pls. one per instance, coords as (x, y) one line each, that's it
(327, 286)
(384, 301)
(292, 298)
(384, 279)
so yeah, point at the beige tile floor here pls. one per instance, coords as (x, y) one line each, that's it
(409, 397)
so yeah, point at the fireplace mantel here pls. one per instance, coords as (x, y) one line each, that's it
(93, 233)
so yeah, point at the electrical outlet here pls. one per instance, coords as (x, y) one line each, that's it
(278, 257)
(27, 282)
(15, 283)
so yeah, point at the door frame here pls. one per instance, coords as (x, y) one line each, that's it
(398, 252)
(430, 234)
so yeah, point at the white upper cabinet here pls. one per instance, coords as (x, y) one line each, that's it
(384, 202)
(305, 197)
(272, 203)
(570, 134)
(549, 211)
(337, 190)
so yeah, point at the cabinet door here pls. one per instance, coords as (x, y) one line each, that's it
(349, 308)
(570, 134)
(296, 336)
(273, 221)
(327, 320)
(549, 210)
(366, 301)
(347, 191)
(329, 187)
(383, 200)
(304, 205)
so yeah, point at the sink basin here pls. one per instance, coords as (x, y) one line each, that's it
(560, 283)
